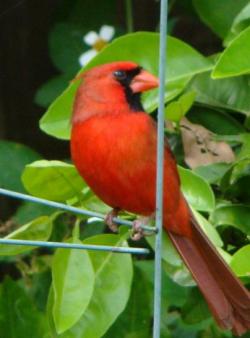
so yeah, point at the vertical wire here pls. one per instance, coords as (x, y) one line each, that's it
(159, 178)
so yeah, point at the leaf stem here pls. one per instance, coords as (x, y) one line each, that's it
(129, 16)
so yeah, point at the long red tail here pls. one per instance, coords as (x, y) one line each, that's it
(227, 298)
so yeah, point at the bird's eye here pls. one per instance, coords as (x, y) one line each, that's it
(120, 75)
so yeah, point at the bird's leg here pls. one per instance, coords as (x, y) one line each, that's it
(137, 231)
(109, 219)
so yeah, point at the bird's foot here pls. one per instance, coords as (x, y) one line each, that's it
(137, 228)
(109, 219)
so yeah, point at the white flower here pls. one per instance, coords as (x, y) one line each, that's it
(97, 42)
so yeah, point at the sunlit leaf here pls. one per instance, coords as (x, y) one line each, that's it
(240, 262)
(54, 180)
(113, 277)
(142, 47)
(212, 173)
(73, 284)
(177, 109)
(230, 93)
(234, 60)
(237, 216)
(196, 190)
(37, 230)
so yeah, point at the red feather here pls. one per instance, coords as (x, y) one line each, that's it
(113, 146)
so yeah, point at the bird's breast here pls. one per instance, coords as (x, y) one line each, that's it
(116, 156)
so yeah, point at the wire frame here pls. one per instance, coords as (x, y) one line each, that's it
(159, 195)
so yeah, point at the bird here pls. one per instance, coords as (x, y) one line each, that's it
(114, 145)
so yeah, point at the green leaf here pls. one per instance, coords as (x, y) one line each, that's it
(113, 277)
(218, 93)
(179, 274)
(212, 173)
(234, 61)
(28, 211)
(142, 48)
(73, 284)
(240, 169)
(19, 317)
(237, 216)
(219, 15)
(241, 22)
(177, 109)
(54, 180)
(135, 321)
(245, 148)
(172, 263)
(13, 158)
(37, 230)
(240, 262)
(236, 178)
(209, 230)
(196, 190)
(169, 253)
(195, 309)
(66, 46)
(49, 91)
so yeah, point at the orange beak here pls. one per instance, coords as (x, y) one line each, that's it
(143, 82)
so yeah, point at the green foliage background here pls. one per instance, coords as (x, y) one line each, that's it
(76, 294)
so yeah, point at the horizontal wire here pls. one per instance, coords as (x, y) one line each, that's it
(69, 208)
(139, 251)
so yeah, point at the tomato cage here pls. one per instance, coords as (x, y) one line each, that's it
(159, 196)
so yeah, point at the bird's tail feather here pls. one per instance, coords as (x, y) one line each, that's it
(227, 298)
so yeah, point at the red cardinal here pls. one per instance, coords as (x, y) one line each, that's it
(113, 146)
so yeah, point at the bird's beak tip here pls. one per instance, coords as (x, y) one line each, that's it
(144, 81)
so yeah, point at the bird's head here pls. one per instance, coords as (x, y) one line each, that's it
(112, 87)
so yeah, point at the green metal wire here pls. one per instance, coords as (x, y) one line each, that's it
(69, 208)
(159, 179)
(21, 242)
(159, 194)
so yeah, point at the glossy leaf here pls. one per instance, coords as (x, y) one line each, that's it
(234, 60)
(196, 190)
(212, 173)
(13, 158)
(218, 93)
(240, 262)
(209, 230)
(142, 47)
(219, 15)
(38, 230)
(113, 277)
(237, 216)
(172, 263)
(177, 109)
(54, 180)
(135, 320)
(19, 317)
(241, 22)
(73, 285)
